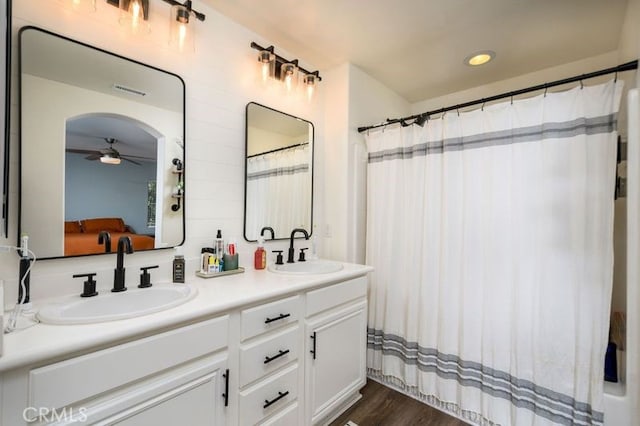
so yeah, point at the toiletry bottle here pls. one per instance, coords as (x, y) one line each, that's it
(204, 260)
(260, 256)
(178, 267)
(219, 246)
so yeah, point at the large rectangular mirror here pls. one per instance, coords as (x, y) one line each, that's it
(279, 173)
(5, 107)
(102, 149)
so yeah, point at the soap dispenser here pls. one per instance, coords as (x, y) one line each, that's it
(260, 256)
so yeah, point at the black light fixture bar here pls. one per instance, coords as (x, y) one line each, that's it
(280, 60)
(187, 4)
(421, 118)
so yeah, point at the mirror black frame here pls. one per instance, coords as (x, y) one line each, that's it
(246, 150)
(7, 121)
(184, 126)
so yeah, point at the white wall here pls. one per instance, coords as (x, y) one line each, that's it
(221, 78)
(354, 99)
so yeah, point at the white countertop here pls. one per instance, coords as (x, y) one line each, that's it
(215, 296)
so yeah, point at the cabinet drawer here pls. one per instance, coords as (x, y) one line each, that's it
(275, 393)
(270, 316)
(329, 297)
(288, 417)
(63, 383)
(268, 354)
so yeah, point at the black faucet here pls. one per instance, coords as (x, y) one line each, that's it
(124, 243)
(291, 250)
(270, 229)
(105, 238)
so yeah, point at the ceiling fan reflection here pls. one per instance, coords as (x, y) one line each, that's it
(108, 155)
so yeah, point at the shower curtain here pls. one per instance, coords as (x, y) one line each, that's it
(281, 172)
(491, 237)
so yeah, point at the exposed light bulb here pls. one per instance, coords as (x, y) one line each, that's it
(135, 9)
(310, 81)
(288, 75)
(267, 64)
(182, 35)
(309, 92)
(288, 81)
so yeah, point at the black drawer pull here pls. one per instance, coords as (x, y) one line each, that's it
(276, 399)
(313, 351)
(267, 359)
(281, 316)
(225, 395)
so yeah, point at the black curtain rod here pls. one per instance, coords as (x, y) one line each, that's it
(629, 66)
(278, 149)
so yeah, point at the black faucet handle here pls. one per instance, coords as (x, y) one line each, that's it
(89, 288)
(145, 276)
(278, 257)
(302, 258)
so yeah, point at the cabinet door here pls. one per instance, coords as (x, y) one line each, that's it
(336, 359)
(186, 398)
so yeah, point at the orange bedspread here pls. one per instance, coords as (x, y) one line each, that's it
(76, 244)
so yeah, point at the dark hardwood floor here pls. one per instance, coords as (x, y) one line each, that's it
(381, 406)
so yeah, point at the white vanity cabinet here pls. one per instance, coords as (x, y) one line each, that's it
(167, 378)
(252, 364)
(336, 329)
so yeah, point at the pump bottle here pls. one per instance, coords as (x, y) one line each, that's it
(260, 256)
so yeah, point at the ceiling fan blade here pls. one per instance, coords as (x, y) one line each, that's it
(93, 157)
(131, 161)
(137, 156)
(82, 151)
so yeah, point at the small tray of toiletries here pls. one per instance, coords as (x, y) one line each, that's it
(201, 274)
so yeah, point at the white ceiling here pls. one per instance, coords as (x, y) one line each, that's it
(417, 47)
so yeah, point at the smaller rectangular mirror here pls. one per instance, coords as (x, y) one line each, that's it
(278, 173)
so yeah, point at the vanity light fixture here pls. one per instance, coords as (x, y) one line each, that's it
(181, 33)
(279, 68)
(135, 13)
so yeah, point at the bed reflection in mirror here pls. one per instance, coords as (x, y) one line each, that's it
(98, 136)
(279, 173)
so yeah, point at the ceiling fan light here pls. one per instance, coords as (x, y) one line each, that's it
(109, 159)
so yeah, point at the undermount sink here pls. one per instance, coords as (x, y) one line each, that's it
(108, 306)
(309, 267)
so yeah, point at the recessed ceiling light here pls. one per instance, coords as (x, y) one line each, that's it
(480, 58)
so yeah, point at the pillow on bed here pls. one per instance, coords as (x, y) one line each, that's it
(113, 224)
(72, 227)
